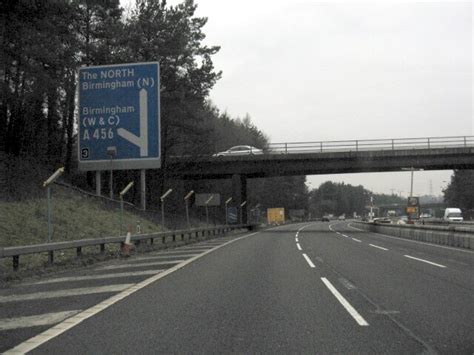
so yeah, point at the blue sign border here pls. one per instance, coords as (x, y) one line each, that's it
(87, 158)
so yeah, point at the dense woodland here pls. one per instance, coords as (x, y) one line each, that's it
(43, 43)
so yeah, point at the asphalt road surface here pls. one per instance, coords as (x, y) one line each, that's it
(302, 288)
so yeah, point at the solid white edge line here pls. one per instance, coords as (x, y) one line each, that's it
(425, 261)
(69, 323)
(356, 240)
(298, 246)
(354, 314)
(308, 260)
(376, 246)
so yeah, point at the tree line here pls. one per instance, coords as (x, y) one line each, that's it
(43, 45)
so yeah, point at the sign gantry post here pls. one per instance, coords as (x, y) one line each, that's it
(119, 119)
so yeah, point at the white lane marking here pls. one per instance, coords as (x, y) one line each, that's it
(34, 321)
(60, 328)
(126, 266)
(414, 241)
(356, 240)
(96, 277)
(345, 236)
(158, 257)
(308, 260)
(354, 314)
(64, 293)
(330, 228)
(296, 240)
(306, 226)
(376, 246)
(298, 246)
(425, 261)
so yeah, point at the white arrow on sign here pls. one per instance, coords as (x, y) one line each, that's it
(142, 140)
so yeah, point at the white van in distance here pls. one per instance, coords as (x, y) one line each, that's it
(453, 215)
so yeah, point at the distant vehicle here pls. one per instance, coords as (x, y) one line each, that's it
(342, 217)
(452, 214)
(382, 220)
(239, 150)
(425, 215)
(325, 218)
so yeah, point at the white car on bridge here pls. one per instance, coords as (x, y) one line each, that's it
(239, 150)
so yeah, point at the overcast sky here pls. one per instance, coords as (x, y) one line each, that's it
(311, 71)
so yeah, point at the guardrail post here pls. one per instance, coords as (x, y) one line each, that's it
(393, 145)
(78, 252)
(151, 241)
(357, 146)
(429, 147)
(102, 249)
(16, 262)
(465, 141)
(51, 257)
(164, 239)
(321, 146)
(286, 148)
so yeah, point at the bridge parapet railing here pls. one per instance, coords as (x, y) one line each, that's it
(370, 145)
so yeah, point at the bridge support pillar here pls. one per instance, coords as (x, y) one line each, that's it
(239, 194)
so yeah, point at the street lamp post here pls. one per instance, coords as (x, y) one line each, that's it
(162, 199)
(123, 192)
(186, 202)
(207, 211)
(226, 214)
(241, 209)
(47, 184)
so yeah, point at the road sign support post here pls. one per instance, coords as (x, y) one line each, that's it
(143, 188)
(98, 184)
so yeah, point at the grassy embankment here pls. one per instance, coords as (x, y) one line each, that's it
(74, 215)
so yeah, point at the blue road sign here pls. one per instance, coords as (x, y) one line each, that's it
(232, 215)
(119, 117)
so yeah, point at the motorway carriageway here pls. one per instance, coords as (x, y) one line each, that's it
(301, 288)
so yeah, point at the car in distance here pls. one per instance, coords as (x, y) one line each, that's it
(239, 150)
(325, 218)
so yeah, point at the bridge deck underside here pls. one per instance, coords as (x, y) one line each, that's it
(321, 163)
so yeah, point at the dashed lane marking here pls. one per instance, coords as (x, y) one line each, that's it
(35, 321)
(414, 241)
(354, 314)
(378, 247)
(308, 260)
(298, 246)
(424, 261)
(64, 293)
(356, 240)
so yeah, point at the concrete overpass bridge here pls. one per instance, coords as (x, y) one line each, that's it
(329, 157)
